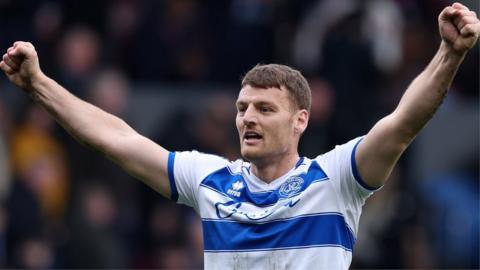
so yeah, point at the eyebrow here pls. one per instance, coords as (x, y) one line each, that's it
(256, 103)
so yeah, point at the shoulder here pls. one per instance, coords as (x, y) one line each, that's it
(199, 157)
(340, 149)
(202, 163)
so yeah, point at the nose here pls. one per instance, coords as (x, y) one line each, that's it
(249, 116)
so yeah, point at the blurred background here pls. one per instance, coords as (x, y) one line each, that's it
(172, 70)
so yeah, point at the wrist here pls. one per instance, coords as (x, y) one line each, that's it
(36, 81)
(450, 53)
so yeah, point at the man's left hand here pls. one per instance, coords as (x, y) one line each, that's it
(459, 27)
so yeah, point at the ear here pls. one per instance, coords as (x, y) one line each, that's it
(300, 121)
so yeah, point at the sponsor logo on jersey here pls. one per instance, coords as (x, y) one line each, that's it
(241, 210)
(291, 187)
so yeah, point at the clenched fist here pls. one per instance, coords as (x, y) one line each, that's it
(459, 27)
(20, 64)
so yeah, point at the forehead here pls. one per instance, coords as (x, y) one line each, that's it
(273, 95)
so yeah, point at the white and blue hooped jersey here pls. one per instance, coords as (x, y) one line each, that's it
(306, 219)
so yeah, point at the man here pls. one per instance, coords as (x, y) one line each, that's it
(277, 211)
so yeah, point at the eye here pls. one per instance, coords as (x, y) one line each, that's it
(265, 109)
(241, 109)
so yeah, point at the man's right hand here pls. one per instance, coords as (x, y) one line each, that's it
(20, 64)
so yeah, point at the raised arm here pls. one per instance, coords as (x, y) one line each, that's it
(90, 125)
(379, 151)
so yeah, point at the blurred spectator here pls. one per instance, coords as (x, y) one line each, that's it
(5, 180)
(173, 42)
(4, 223)
(40, 162)
(209, 129)
(215, 127)
(243, 36)
(123, 21)
(390, 232)
(35, 253)
(165, 238)
(94, 241)
(24, 219)
(383, 28)
(380, 26)
(165, 224)
(195, 241)
(47, 22)
(171, 257)
(453, 219)
(317, 138)
(313, 29)
(4, 170)
(78, 58)
(330, 42)
(109, 90)
(417, 47)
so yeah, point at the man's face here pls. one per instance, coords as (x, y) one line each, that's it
(266, 123)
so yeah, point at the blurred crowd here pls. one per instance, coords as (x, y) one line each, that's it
(62, 205)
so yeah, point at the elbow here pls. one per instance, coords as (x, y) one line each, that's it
(115, 143)
(119, 144)
(405, 129)
(396, 134)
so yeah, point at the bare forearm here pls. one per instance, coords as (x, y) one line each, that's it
(87, 123)
(427, 92)
(90, 125)
(387, 140)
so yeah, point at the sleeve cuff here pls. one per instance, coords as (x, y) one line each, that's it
(355, 172)
(171, 177)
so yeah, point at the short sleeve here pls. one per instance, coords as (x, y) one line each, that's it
(341, 167)
(186, 170)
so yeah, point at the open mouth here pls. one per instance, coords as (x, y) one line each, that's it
(251, 137)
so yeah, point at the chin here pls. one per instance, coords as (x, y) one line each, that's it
(252, 155)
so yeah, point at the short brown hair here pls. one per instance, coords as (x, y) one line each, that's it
(275, 75)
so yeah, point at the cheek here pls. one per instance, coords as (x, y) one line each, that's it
(238, 124)
(281, 131)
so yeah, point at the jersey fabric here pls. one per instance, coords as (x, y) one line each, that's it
(305, 219)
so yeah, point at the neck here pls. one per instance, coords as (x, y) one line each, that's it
(274, 168)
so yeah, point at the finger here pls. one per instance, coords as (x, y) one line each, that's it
(10, 63)
(459, 6)
(9, 52)
(8, 70)
(23, 43)
(471, 30)
(15, 58)
(458, 15)
(463, 12)
(16, 43)
(20, 50)
(456, 19)
(447, 13)
(466, 20)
